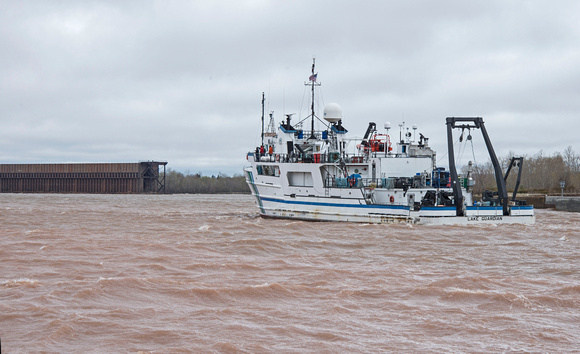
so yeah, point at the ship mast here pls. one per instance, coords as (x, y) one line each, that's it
(312, 82)
(262, 118)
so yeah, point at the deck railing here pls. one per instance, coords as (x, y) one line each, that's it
(358, 182)
(333, 157)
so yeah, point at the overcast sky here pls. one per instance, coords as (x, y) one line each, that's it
(181, 81)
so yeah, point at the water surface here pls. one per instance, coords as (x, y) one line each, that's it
(204, 273)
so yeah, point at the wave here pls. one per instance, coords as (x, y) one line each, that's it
(569, 290)
(21, 282)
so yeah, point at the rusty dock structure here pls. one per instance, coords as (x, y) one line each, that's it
(101, 178)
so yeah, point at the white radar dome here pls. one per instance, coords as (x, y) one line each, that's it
(332, 113)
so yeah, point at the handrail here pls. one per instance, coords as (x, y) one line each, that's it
(358, 182)
(332, 157)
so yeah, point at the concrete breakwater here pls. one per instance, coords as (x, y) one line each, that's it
(563, 203)
(542, 201)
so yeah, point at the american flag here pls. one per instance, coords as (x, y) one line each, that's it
(313, 77)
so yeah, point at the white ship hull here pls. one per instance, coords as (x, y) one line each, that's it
(349, 205)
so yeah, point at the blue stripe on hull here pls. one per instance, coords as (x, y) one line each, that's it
(438, 208)
(523, 207)
(339, 205)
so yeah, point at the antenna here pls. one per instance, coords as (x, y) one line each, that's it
(263, 118)
(401, 125)
(387, 127)
(312, 82)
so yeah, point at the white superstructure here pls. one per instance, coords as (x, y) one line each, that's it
(324, 175)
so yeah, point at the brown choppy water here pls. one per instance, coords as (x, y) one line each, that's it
(198, 273)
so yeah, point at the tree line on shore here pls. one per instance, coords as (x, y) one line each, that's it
(177, 182)
(540, 174)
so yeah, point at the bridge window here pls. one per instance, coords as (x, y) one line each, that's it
(268, 170)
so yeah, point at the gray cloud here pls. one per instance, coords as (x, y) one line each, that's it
(181, 80)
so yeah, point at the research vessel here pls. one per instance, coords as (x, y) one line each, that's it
(324, 175)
